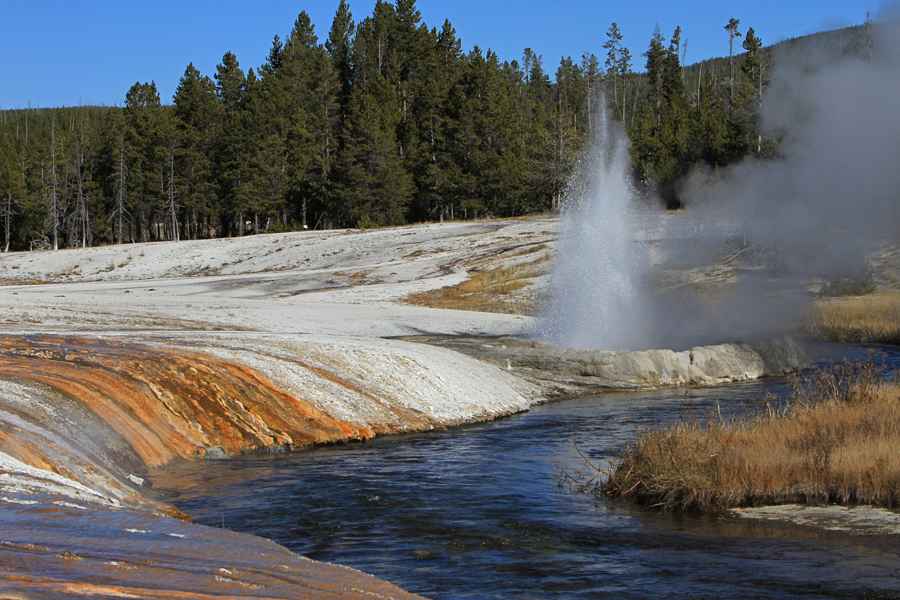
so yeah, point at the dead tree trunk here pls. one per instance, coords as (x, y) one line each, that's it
(54, 210)
(173, 209)
(120, 196)
(759, 108)
(700, 87)
(83, 219)
(560, 150)
(8, 215)
(590, 116)
(615, 85)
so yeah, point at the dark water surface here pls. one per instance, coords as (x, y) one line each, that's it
(482, 512)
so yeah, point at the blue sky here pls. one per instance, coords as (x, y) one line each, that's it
(66, 52)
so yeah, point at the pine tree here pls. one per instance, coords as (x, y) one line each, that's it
(231, 85)
(645, 134)
(197, 115)
(375, 186)
(249, 194)
(411, 50)
(591, 70)
(753, 69)
(145, 138)
(613, 47)
(503, 135)
(571, 100)
(311, 89)
(429, 159)
(543, 162)
(338, 46)
(662, 139)
(274, 58)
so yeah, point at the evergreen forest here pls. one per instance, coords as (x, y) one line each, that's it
(383, 121)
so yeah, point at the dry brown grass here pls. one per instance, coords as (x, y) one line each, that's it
(486, 291)
(836, 442)
(7, 281)
(874, 318)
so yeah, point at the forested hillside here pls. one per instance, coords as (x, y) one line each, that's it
(385, 121)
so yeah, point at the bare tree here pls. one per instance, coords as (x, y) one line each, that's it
(173, 208)
(560, 144)
(732, 28)
(624, 67)
(7, 217)
(81, 207)
(700, 87)
(54, 204)
(119, 212)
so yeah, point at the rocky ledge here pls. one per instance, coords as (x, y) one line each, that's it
(562, 372)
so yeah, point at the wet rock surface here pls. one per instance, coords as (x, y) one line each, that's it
(562, 372)
(61, 552)
(858, 520)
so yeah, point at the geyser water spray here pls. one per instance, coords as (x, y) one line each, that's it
(598, 281)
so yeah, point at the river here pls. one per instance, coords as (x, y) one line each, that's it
(488, 511)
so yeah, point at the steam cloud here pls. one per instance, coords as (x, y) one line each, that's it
(816, 213)
(835, 192)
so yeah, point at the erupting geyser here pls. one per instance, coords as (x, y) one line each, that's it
(597, 288)
(757, 239)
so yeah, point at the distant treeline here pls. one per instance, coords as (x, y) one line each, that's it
(386, 122)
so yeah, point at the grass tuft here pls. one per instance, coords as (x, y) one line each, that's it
(487, 291)
(835, 441)
(874, 318)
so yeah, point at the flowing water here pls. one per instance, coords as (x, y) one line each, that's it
(485, 512)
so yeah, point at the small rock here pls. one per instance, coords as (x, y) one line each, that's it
(215, 453)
